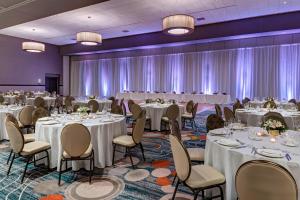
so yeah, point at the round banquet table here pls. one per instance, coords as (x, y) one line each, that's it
(254, 117)
(10, 99)
(155, 111)
(104, 104)
(283, 105)
(103, 128)
(228, 159)
(15, 110)
(49, 101)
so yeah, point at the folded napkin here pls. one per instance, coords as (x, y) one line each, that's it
(271, 153)
(219, 131)
(46, 119)
(228, 142)
(50, 122)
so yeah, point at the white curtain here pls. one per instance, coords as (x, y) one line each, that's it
(245, 72)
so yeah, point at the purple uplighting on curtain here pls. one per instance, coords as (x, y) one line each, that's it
(246, 72)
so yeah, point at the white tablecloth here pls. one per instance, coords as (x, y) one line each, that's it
(254, 117)
(227, 160)
(15, 110)
(103, 103)
(284, 105)
(102, 134)
(199, 98)
(50, 101)
(155, 112)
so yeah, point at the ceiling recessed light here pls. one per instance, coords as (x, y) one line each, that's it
(89, 17)
(284, 2)
(33, 29)
(125, 31)
(200, 18)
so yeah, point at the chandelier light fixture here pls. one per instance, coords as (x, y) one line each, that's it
(179, 24)
(34, 47)
(89, 38)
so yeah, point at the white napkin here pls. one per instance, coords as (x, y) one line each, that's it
(228, 142)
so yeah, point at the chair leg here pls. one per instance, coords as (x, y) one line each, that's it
(26, 166)
(8, 159)
(114, 150)
(13, 158)
(142, 148)
(202, 194)
(130, 158)
(176, 187)
(174, 179)
(196, 195)
(91, 167)
(59, 176)
(221, 192)
(48, 160)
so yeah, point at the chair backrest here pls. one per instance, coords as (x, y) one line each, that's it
(172, 112)
(214, 122)
(174, 128)
(293, 101)
(93, 105)
(116, 109)
(10, 117)
(265, 180)
(39, 113)
(228, 113)
(2, 99)
(59, 101)
(181, 158)
(136, 110)
(245, 100)
(270, 104)
(218, 110)
(15, 136)
(124, 108)
(130, 103)
(237, 105)
(39, 102)
(75, 108)
(21, 99)
(112, 98)
(122, 101)
(195, 109)
(68, 100)
(25, 115)
(138, 130)
(275, 116)
(189, 106)
(75, 139)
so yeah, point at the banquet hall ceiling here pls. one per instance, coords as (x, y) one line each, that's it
(119, 18)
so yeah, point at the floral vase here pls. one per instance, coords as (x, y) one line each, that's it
(274, 132)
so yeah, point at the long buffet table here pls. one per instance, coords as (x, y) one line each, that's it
(199, 98)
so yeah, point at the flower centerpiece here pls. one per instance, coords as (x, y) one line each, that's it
(83, 110)
(274, 127)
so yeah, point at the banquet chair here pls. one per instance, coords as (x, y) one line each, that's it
(39, 113)
(190, 117)
(237, 105)
(2, 99)
(245, 100)
(197, 178)
(122, 101)
(76, 148)
(275, 116)
(59, 101)
(149, 100)
(39, 102)
(25, 117)
(214, 122)
(75, 107)
(218, 110)
(172, 113)
(68, 101)
(116, 109)
(265, 180)
(270, 104)
(25, 150)
(27, 137)
(132, 141)
(294, 101)
(93, 105)
(21, 99)
(128, 115)
(228, 113)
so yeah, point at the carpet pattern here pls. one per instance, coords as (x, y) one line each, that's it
(149, 180)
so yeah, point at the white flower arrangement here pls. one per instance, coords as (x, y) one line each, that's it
(272, 124)
(92, 97)
(82, 109)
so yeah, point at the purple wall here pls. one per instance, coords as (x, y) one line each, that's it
(23, 69)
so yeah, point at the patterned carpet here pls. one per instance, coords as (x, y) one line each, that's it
(149, 180)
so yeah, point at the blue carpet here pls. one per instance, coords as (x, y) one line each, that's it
(150, 180)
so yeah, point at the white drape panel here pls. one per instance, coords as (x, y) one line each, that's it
(252, 72)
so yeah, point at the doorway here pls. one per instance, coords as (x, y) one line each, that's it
(52, 83)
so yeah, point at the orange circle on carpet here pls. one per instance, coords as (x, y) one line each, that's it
(163, 181)
(161, 164)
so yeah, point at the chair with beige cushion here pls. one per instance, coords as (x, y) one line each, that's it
(39, 102)
(93, 105)
(246, 100)
(59, 102)
(190, 117)
(25, 117)
(39, 113)
(214, 122)
(68, 101)
(76, 148)
(237, 105)
(27, 137)
(198, 178)
(218, 110)
(172, 113)
(189, 107)
(228, 113)
(116, 109)
(265, 180)
(131, 141)
(25, 150)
